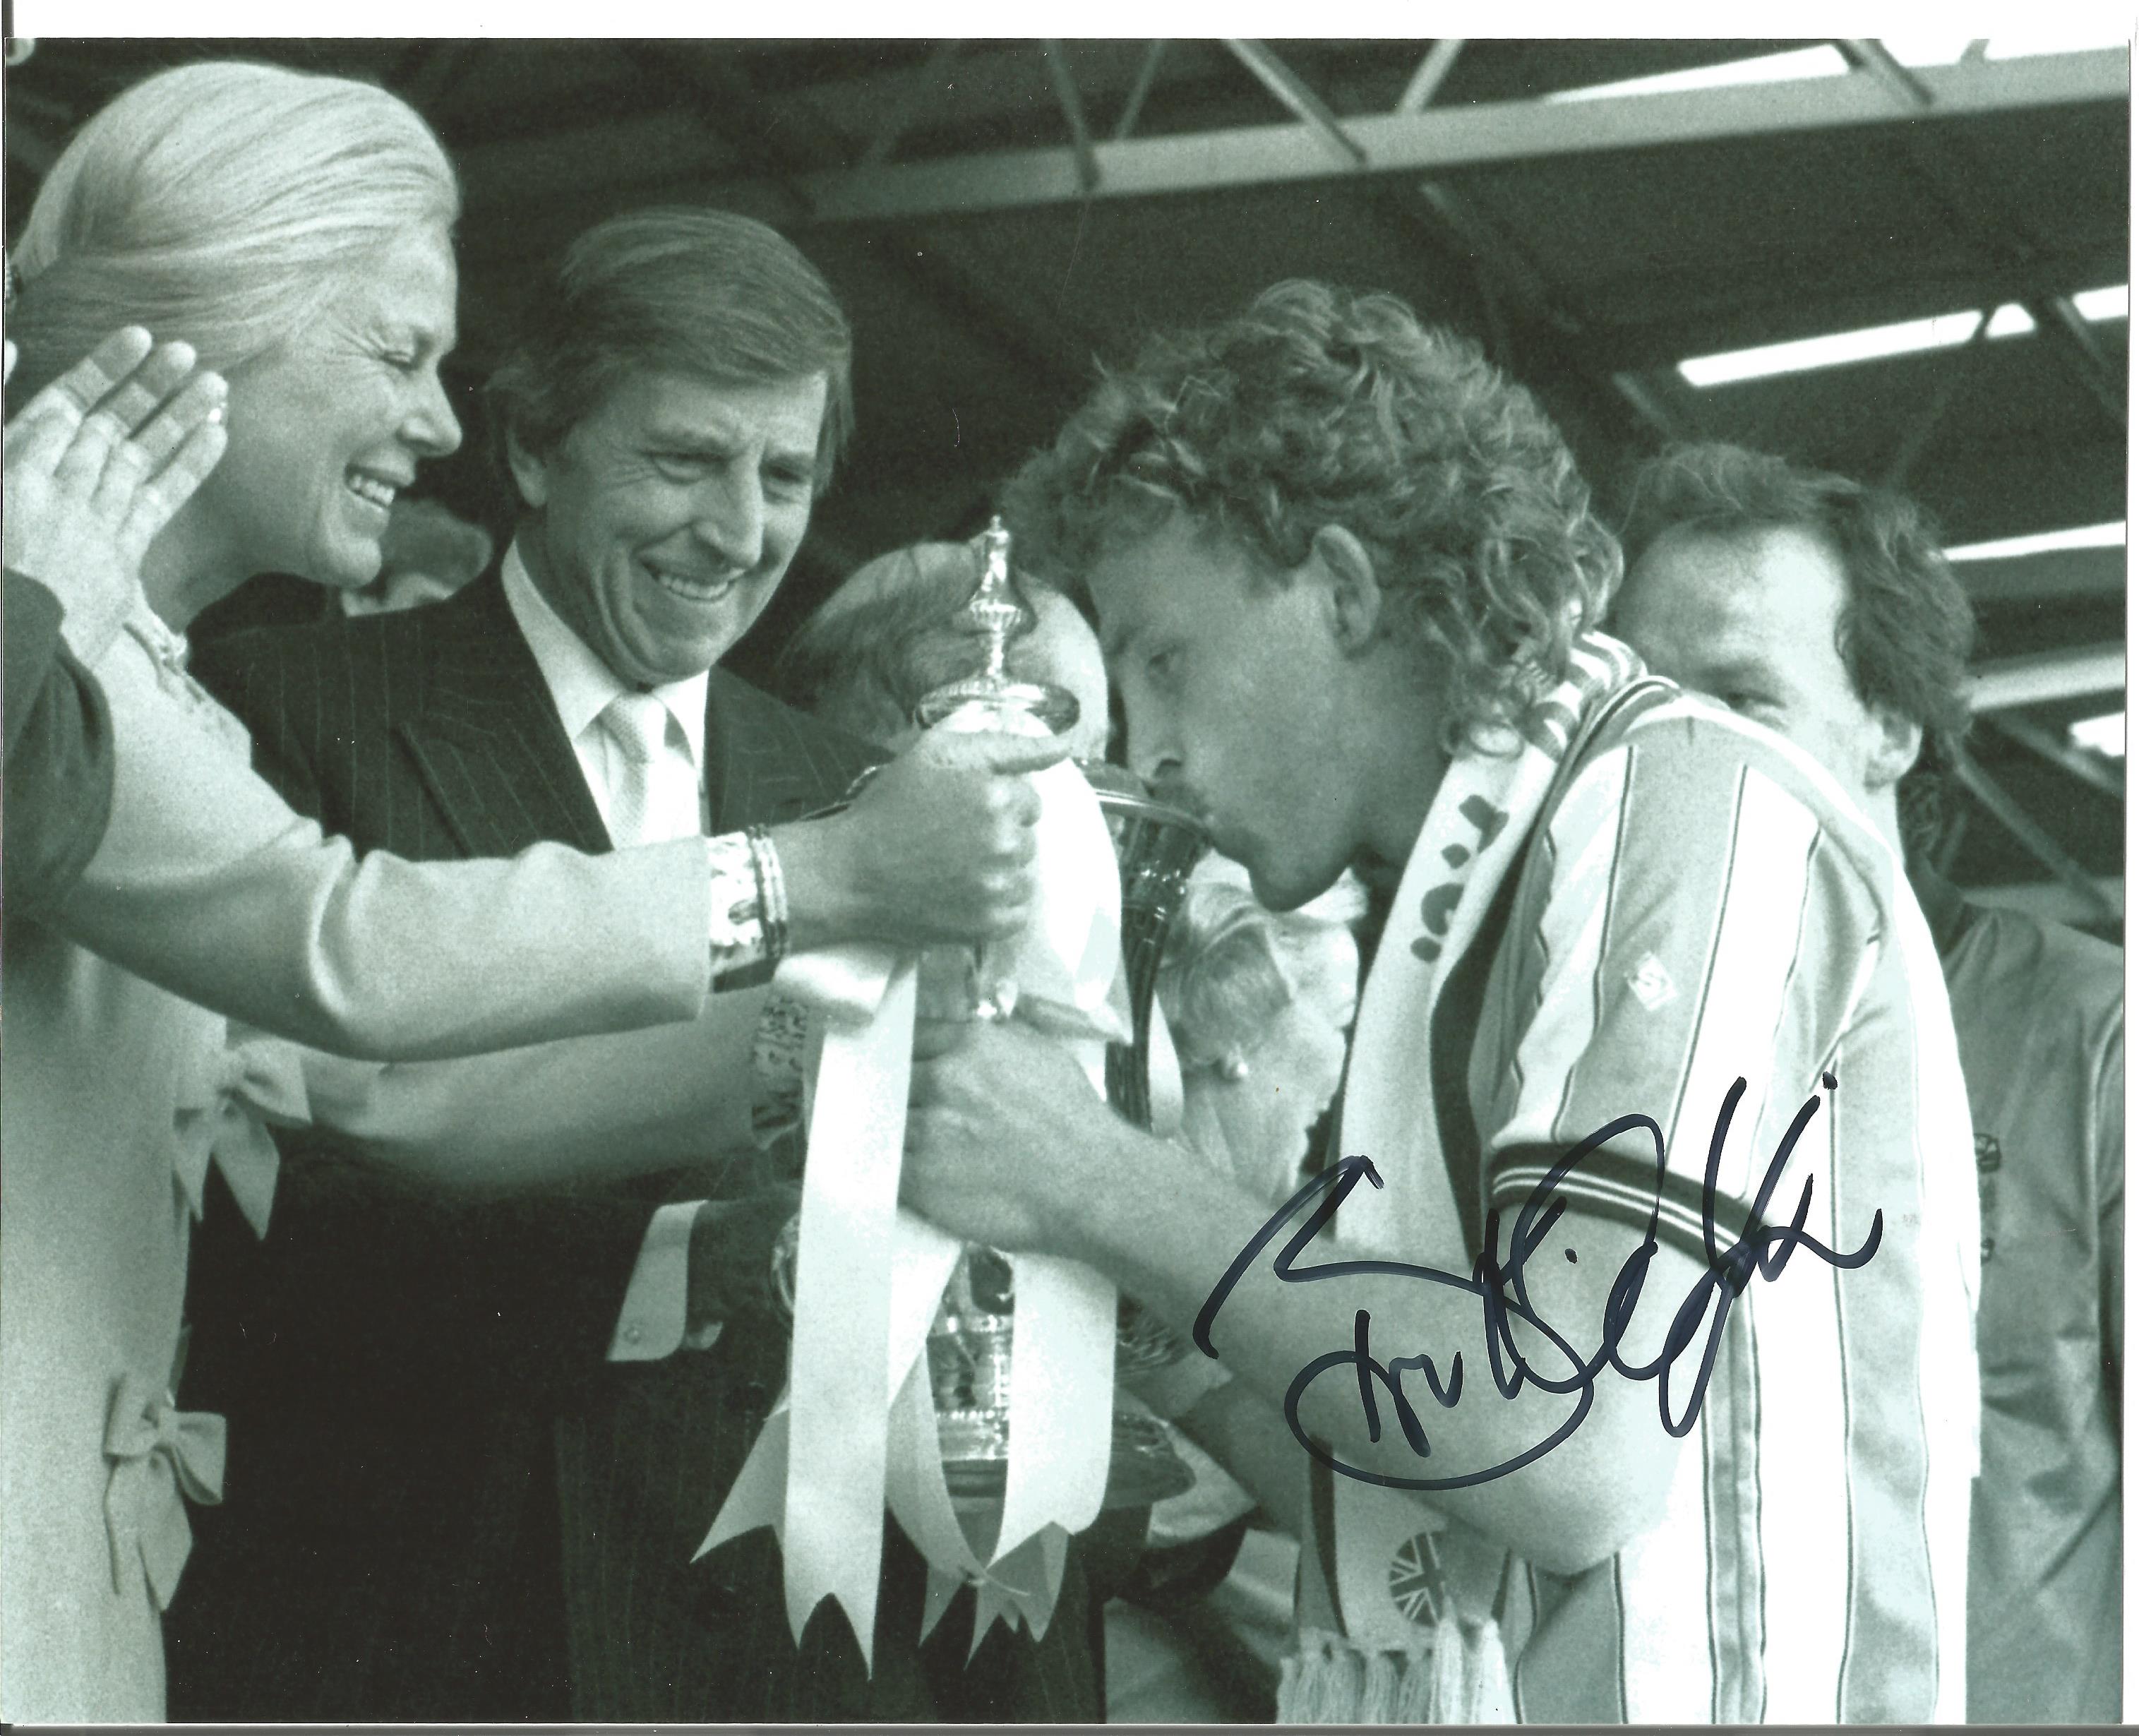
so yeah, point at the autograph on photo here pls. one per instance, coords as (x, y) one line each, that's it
(1503, 1294)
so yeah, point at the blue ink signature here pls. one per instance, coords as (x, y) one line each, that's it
(1504, 1296)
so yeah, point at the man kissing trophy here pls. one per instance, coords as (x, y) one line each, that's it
(988, 1429)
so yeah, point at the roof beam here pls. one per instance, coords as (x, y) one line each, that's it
(1962, 368)
(1147, 75)
(1428, 77)
(1797, 299)
(1642, 399)
(2057, 576)
(922, 86)
(2053, 901)
(1877, 60)
(2047, 676)
(1296, 93)
(2093, 769)
(2037, 841)
(2076, 342)
(1073, 110)
(1443, 138)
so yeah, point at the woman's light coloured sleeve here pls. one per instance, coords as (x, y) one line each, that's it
(587, 1108)
(208, 885)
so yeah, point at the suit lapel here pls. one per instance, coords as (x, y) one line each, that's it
(764, 765)
(486, 740)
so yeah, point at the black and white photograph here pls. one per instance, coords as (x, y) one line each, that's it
(977, 879)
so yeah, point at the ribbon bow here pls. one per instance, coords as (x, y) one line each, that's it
(223, 1112)
(157, 1452)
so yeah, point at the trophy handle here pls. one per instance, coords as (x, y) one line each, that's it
(1157, 847)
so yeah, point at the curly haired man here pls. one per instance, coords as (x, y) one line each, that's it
(1825, 610)
(1638, 1384)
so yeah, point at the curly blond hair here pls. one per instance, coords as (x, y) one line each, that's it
(1321, 406)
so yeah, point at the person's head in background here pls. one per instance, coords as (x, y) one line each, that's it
(428, 554)
(1811, 603)
(896, 630)
(1259, 1003)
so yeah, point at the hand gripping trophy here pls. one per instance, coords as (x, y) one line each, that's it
(969, 1392)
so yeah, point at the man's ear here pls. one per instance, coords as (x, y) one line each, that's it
(1356, 597)
(1896, 746)
(530, 473)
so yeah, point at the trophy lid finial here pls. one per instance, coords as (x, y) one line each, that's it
(994, 609)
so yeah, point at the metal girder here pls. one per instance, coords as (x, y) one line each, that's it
(1440, 139)
(2093, 769)
(2054, 902)
(1876, 58)
(1711, 312)
(1073, 110)
(1429, 76)
(1294, 91)
(2083, 356)
(1643, 400)
(2037, 842)
(1504, 273)
(718, 93)
(959, 279)
(1147, 76)
(2059, 576)
(1925, 422)
(922, 86)
(2047, 676)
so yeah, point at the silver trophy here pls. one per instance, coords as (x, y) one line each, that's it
(969, 1345)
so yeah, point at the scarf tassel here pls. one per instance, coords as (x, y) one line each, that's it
(1458, 1676)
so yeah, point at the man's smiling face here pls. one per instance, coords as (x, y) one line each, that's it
(665, 519)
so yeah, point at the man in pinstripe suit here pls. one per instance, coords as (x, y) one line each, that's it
(464, 1485)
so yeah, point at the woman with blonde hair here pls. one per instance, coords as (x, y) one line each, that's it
(292, 234)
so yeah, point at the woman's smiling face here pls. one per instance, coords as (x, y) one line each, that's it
(329, 426)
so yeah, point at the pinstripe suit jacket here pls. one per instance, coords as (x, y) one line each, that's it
(442, 1502)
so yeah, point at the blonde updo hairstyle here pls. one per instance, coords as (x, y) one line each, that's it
(221, 203)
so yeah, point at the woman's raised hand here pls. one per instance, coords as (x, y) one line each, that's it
(96, 464)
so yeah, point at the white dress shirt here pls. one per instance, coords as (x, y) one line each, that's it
(581, 686)
(652, 1322)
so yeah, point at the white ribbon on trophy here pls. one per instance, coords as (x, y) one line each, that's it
(855, 1431)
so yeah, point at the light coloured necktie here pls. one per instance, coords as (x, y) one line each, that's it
(638, 723)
